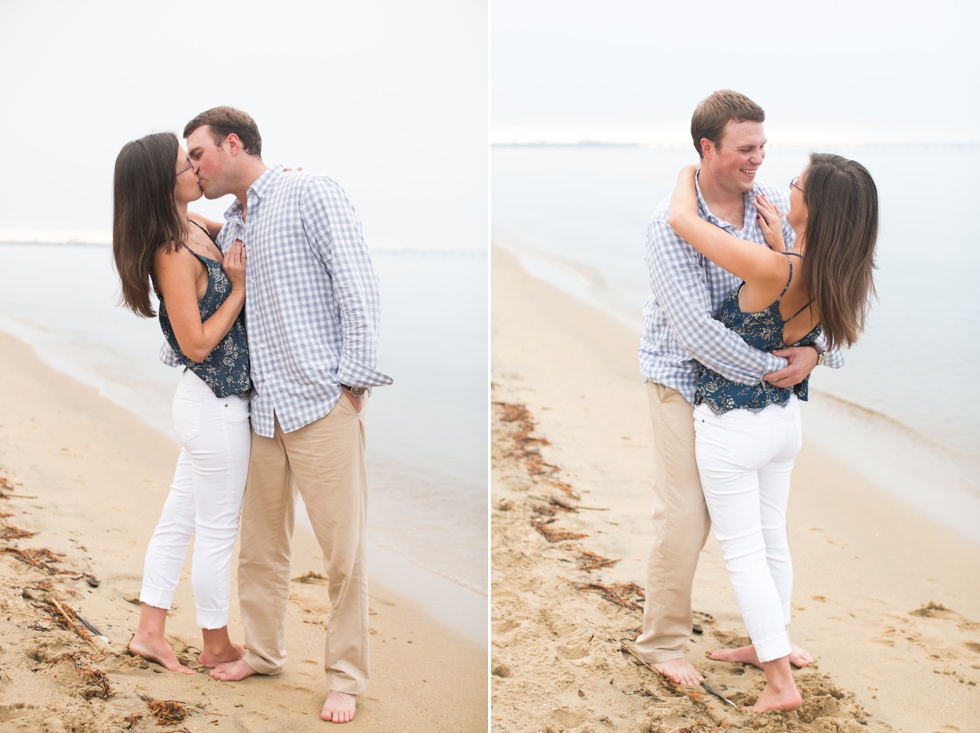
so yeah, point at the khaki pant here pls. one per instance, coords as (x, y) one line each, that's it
(680, 528)
(325, 462)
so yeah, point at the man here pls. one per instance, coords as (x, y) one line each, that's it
(679, 333)
(312, 315)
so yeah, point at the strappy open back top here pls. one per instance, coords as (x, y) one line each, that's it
(764, 331)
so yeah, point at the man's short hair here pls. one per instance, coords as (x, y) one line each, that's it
(722, 107)
(225, 121)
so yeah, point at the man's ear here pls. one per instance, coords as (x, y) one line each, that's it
(706, 147)
(233, 143)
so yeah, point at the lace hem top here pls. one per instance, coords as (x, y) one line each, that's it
(764, 331)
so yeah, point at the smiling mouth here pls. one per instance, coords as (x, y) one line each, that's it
(749, 171)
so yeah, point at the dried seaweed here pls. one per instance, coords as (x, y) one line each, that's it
(591, 561)
(132, 720)
(526, 448)
(166, 712)
(14, 533)
(627, 595)
(96, 681)
(553, 534)
(40, 558)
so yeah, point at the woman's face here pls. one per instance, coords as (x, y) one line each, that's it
(187, 188)
(797, 207)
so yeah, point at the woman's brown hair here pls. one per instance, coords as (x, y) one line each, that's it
(841, 231)
(144, 214)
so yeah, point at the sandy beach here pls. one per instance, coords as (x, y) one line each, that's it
(82, 482)
(886, 599)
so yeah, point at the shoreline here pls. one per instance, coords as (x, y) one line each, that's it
(884, 597)
(899, 472)
(155, 413)
(427, 495)
(79, 466)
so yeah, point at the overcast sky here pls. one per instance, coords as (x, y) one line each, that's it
(824, 70)
(391, 98)
(387, 97)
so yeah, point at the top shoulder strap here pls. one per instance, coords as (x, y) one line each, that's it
(790, 278)
(793, 254)
(202, 228)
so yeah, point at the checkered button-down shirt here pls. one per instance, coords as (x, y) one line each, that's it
(679, 326)
(312, 303)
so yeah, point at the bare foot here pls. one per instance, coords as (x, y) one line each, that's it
(233, 671)
(680, 671)
(787, 698)
(799, 657)
(231, 653)
(746, 655)
(157, 650)
(339, 707)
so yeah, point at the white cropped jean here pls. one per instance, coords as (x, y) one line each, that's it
(205, 502)
(745, 460)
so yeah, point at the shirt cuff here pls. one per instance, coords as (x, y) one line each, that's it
(774, 364)
(168, 356)
(833, 359)
(354, 374)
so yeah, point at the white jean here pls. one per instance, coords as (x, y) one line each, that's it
(745, 460)
(205, 502)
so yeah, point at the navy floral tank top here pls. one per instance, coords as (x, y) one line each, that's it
(764, 331)
(226, 368)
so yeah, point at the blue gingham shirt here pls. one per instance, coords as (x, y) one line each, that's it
(312, 304)
(680, 331)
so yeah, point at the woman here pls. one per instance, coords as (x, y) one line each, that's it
(157, 243)
(747, 437)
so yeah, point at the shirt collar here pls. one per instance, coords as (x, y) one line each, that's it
(259, 189)
(705, 213)
(264, 182)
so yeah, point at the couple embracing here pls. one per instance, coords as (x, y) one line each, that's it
(750, 292)
(273, 395)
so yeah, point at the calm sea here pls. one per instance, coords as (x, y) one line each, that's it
(905, 407)
(427, 434)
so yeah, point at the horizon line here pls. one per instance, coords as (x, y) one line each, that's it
(587, 142)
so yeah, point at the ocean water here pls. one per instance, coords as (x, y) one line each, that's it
(904, 407)
(427, 433)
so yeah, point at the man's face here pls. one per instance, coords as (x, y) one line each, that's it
(737, 157)
(210, 161)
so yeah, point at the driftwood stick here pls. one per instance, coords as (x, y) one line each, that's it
(627, 647)
(71, 622)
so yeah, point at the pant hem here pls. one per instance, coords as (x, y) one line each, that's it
(772, 649)
(260, 666)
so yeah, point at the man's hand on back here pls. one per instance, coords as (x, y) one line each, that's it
(802, 361)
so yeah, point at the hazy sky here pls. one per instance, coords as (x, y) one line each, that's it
(389, 98)
(824, 70)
